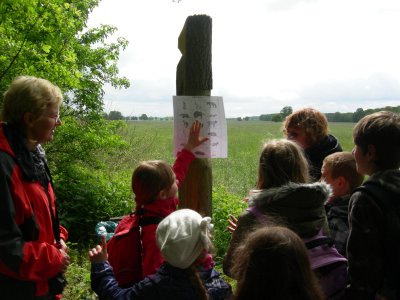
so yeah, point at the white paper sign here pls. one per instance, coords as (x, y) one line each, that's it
(209, 110)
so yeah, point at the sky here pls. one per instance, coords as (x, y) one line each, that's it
(332, 55)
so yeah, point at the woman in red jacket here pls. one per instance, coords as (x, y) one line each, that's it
(33, 254)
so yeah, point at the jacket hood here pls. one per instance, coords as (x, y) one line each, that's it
(327, 146)
(389, 180)
(295, 194)
(297, 206)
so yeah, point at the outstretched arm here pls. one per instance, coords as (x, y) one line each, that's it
(194, 138)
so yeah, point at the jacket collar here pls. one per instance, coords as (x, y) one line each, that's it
(293, 194)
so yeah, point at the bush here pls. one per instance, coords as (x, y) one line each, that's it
(85, 160)
(78, 276)
(224, 204)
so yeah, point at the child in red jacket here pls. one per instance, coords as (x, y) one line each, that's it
(155, 184)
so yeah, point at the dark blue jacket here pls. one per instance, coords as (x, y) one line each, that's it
(168, 283)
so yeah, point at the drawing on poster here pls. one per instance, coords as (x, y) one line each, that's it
(209, 110)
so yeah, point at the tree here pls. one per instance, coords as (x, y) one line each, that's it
(50, 41)
(115, 115)
(287, 110)
(358, 114)
(276, 118)
(143, 117)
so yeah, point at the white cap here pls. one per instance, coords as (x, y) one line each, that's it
(182, 236)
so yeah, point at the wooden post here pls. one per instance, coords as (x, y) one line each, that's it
(194, 78)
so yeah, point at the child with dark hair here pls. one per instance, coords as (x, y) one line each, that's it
(340, 172)
(184, 239)
(273, 263)
(373, 247)
(309, 128)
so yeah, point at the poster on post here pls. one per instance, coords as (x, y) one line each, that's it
(209, 110)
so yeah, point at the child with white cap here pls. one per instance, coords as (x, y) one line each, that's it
(184, 241)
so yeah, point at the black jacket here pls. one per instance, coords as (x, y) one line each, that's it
(316, 154)
(373, 247)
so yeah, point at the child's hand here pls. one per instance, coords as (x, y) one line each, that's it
(99, 253)
(194, 139)
(232, 221)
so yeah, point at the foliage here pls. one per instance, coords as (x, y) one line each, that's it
(78, 276)
(285, 111)
(277, 118)
(143, 117)
(84, 159)
(224, 204)
(114, 115)
(358, 114)
(48, 39)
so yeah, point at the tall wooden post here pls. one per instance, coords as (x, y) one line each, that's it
(194, 78)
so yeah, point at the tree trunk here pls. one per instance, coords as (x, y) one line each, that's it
(194, 78)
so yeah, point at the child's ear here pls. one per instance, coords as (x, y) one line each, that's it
(341, 181)
(162, 194)
(371, 153)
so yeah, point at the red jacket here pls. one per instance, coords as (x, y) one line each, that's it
(152, 258)
(29, 256)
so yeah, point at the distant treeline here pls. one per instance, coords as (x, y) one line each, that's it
(335, 117)
(277, 117)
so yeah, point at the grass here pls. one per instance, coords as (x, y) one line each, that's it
(233, 177)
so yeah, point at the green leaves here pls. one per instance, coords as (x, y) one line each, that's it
(49, 38)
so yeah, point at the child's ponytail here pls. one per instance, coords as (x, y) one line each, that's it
(197, 283)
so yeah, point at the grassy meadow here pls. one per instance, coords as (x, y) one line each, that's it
(233, 177)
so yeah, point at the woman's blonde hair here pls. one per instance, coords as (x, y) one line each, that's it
(28, 94)
(281, 161)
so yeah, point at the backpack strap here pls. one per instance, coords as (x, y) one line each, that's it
(144, 221)
(260, 217)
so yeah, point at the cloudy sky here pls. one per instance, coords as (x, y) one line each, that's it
(333, 55)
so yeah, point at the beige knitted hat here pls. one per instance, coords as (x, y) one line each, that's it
(182, 236)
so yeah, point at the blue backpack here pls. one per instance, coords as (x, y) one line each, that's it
(327, 263)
